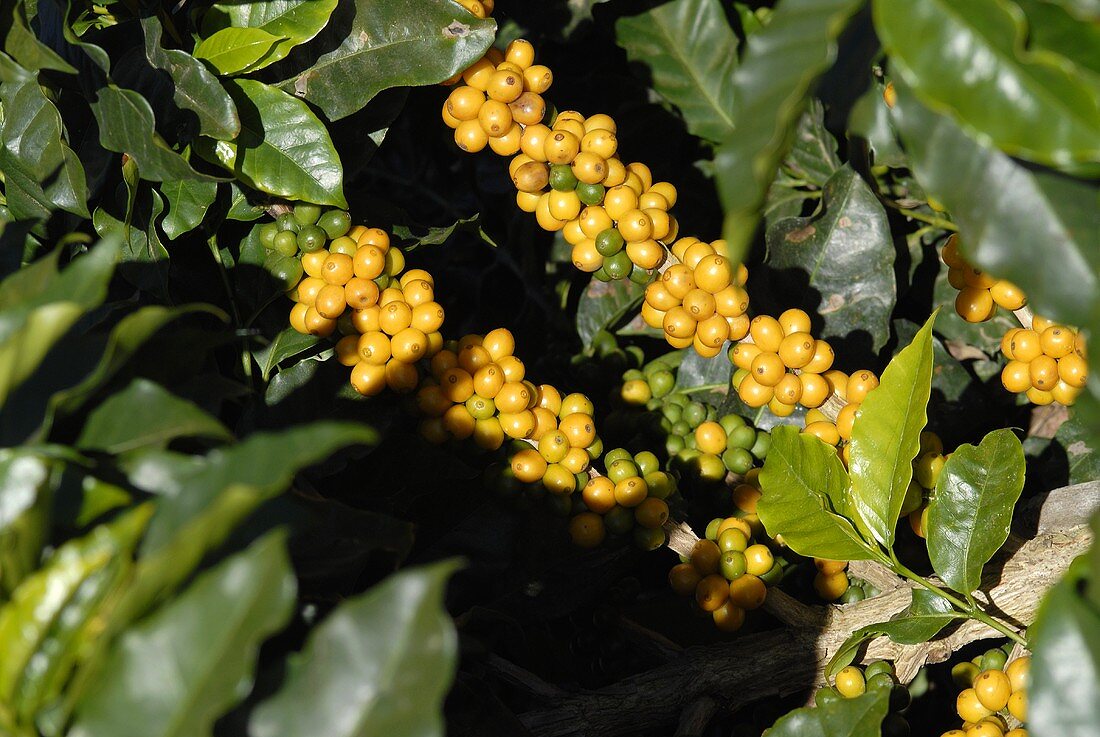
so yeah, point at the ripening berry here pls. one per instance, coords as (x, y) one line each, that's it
(712, 592)
(1018, 672)
(969, 707)
(748, 591)
(587, 530)
(850, 682)
(766, 333)
(992, 688)
(683, 578)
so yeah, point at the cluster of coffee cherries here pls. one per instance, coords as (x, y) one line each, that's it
(306, 229)
(700, 442)
(701, 301)
(567, 173)
(727, 572)
(993, 698)
(853, 681)
(853, 389)
(781, 365)
(1047, 362)
(980, 294)
(927, 467)
(632, 494)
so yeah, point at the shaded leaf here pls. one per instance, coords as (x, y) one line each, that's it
(603, 304)
(1080, 447)
(194, 88)
(283, 148)
(235, 50)
(984, 189)
(284, 345)
(402, 42)
(1053, 28)
(971, 511)
(24, 46)
(968, 60)
(813, 154)
(780, 63)
(379, 665)
(886, 437)
(294, 21)
(690, 52)
(847, 251)
(156, 683)
(1065, 666)
(804, 496)
(188, 202)
(144, 414)
(144, 259)
(695, 370)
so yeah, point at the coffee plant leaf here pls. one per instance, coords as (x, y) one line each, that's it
(188, 202)
(689, 52)
(604, 304)
(971, 511)
(236, 50)
(293, 21)
(396, 637)
(886, 437)
(857, 717)
(287, 344)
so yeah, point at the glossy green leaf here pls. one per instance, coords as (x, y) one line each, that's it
(235, 50)
(22, 44)
(603, 304)
(968, 59)
(391, 44)
(145, 414)
(283, 148)
(780, 63)
(694, 370)
(813, 155)
(858, 717)
(194, 87)
(126, 125)
(847, 251)
(1079, 443)
(48, 618)
(1087, 10)
(804, 492)
(294, 21)
(690, 52)
(1065, 666)
(870, 120)
(144, 259)
(22, 475)
(41, 171)
(971, 511)
(886, 437)
(284, 345)
(379, 665)
(1053, 28)
(30, 328)
(984, 190)
(922, 620)
(157, 683)
(188, 203)
(244, 204)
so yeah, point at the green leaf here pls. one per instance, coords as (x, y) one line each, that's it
(804, 497)
(695, 370)
(379, 665)
(847, 250)
(1086, 10)
(603, 304)
(188, 202)
(1080, 447)
(870, 119)
(984, 190)
(922, 620)
(1053, 29)
(294, 21)
(144, 261)
(858, 717)
(780, 64)
(967, 59)
(29, 329)
(144, 414)
(125, 339)
(1065, 666)
(235, 50)
(47, 626)
(41, 171)
(284, 345)
(886, 437)
(194, 88)
(158, 683)
(26, 480)
(971, 511)
(127, 125)
(264, 462)
(24, 46)
(411, 237)
(390, 44)
(691, 52)
(813, 154)
(283, 148)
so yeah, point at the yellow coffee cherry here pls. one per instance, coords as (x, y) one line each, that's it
(1018, 672)
(825, 431)
(587, 530)
(767, 333)
(850, 682)
(797, 350)
(747, 591)
(822, 359)
(561, 146)
(969, 707)
(729, 617)
(1017, 705)
(1007, 295)
(860, 384)
(992, 688)
(815, 390)
(975, 304)
(710, 437)
(794, 321)
(537, 78)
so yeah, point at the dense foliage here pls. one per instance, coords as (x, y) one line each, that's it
(205, 528)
